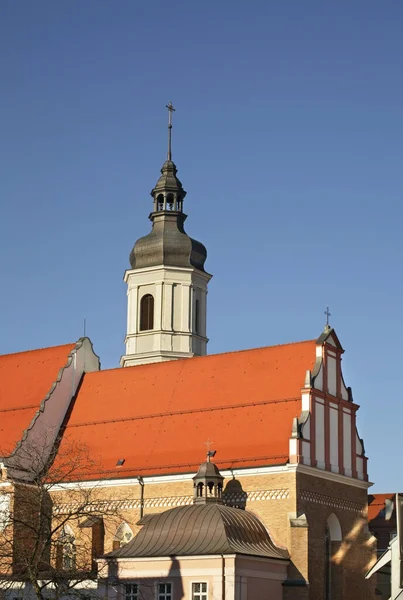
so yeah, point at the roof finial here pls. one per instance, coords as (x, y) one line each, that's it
(171, 109)
(328, 314)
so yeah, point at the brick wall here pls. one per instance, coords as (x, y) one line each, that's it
(280, 500)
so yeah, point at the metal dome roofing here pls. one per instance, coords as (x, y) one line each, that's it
(201, 530)
(168, 244)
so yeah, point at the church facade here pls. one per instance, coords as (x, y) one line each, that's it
(282, 420)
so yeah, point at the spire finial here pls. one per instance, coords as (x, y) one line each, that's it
(171, 109)
(328, 314)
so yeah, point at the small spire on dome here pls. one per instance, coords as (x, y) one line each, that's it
(171, 109)
(208, 481)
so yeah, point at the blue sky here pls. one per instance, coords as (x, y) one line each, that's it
(288, 139)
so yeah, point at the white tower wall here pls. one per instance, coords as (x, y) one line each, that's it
(179, 320)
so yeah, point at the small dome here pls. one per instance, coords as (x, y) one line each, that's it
(208, 469)
(202, 530)
(168, 181)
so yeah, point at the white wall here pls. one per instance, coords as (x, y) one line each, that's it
(175, 291)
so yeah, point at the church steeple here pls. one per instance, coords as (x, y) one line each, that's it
(167, 283)
(168, 243)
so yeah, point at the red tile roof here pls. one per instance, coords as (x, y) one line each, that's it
(376, 503)
(158, 417)
(25, 380)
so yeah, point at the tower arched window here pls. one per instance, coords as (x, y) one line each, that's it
(170, 202)
(147, 312)
(160, 202)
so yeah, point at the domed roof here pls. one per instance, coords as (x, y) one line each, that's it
(201, 530)
(208, 469)
(168, 181)
(168, 244)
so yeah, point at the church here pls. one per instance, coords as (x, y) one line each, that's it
(282, 509)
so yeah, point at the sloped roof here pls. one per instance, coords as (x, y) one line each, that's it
(157, 417)
(26, 378)
(201, 530)
(376, 504)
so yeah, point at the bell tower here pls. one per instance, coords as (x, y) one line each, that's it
(167, 283)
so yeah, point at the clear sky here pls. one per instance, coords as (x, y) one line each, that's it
(288, 139)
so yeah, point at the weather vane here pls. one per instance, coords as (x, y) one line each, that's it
(210, 453)
(171, 109)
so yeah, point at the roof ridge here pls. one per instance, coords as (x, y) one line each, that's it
(207, 356)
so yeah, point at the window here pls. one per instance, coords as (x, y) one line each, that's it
(160, 202)
(131, 591)
(164, 591)
(147, 313)
(66, 550)
(199, 591)
(170, 202)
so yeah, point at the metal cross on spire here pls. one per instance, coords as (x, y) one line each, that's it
(328, 314)
(171, 109)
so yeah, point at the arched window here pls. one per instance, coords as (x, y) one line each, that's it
(66, 550)
(332, 534)
(333, 525)
(160, 202)
(170, 202)
(123, 535)
(147, 312)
